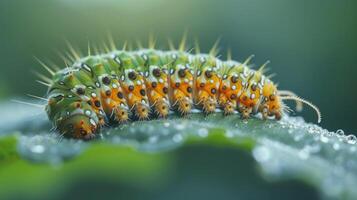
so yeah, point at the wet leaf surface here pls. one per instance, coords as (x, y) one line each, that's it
(166, 156)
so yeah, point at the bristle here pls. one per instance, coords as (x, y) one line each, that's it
(45, 66)
(88, 49)
(64, 58)
(182, 46)
(171, 44)
(43, 77)
(44, 83)
(130, 46)
(214, 50)
(52, 65)
(248, 59)
(124, 46)
(261, 69)
(111, 42)
(229, 54)
(37, 97)
(139, 44)
(270, 76)
(151, 41)
(28, 103)
(74, 53)
(197, 46)
(96, 49)
(105, 48)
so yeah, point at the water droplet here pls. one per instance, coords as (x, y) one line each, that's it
(323, 138)
(153, 139)
(177, 138)
(203, 132)
(304, 154)
(180, 126)
(336, 146)
(261, 154)
(38, 149)
(340, 133)
(166, 124)
(351, 139)
(229, 134)
(298, 137)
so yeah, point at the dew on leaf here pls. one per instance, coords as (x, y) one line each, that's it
(261, 154)
(351, 139)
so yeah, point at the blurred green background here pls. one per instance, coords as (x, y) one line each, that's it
(312, 44)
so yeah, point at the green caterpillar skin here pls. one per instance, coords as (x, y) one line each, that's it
(122, 85)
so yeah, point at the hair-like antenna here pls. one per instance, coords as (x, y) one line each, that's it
(28, 103)
(296, 98)
(299, 105)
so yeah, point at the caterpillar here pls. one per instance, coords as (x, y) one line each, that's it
(121, 85)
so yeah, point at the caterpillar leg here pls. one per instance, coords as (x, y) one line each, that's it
(209, 105)
(162, 108)
(184, 105)
(245, 111)
(141, 110)
(229, 107)
(121, 114)
(264, 109)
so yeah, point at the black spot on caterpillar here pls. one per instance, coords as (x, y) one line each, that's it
(119, 85)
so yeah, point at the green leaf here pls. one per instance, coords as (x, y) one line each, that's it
(224, 151)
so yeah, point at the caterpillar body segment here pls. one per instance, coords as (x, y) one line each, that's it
(137, 85)
(231, 86)
(156, 81)
(207, 83)
(181, 76)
